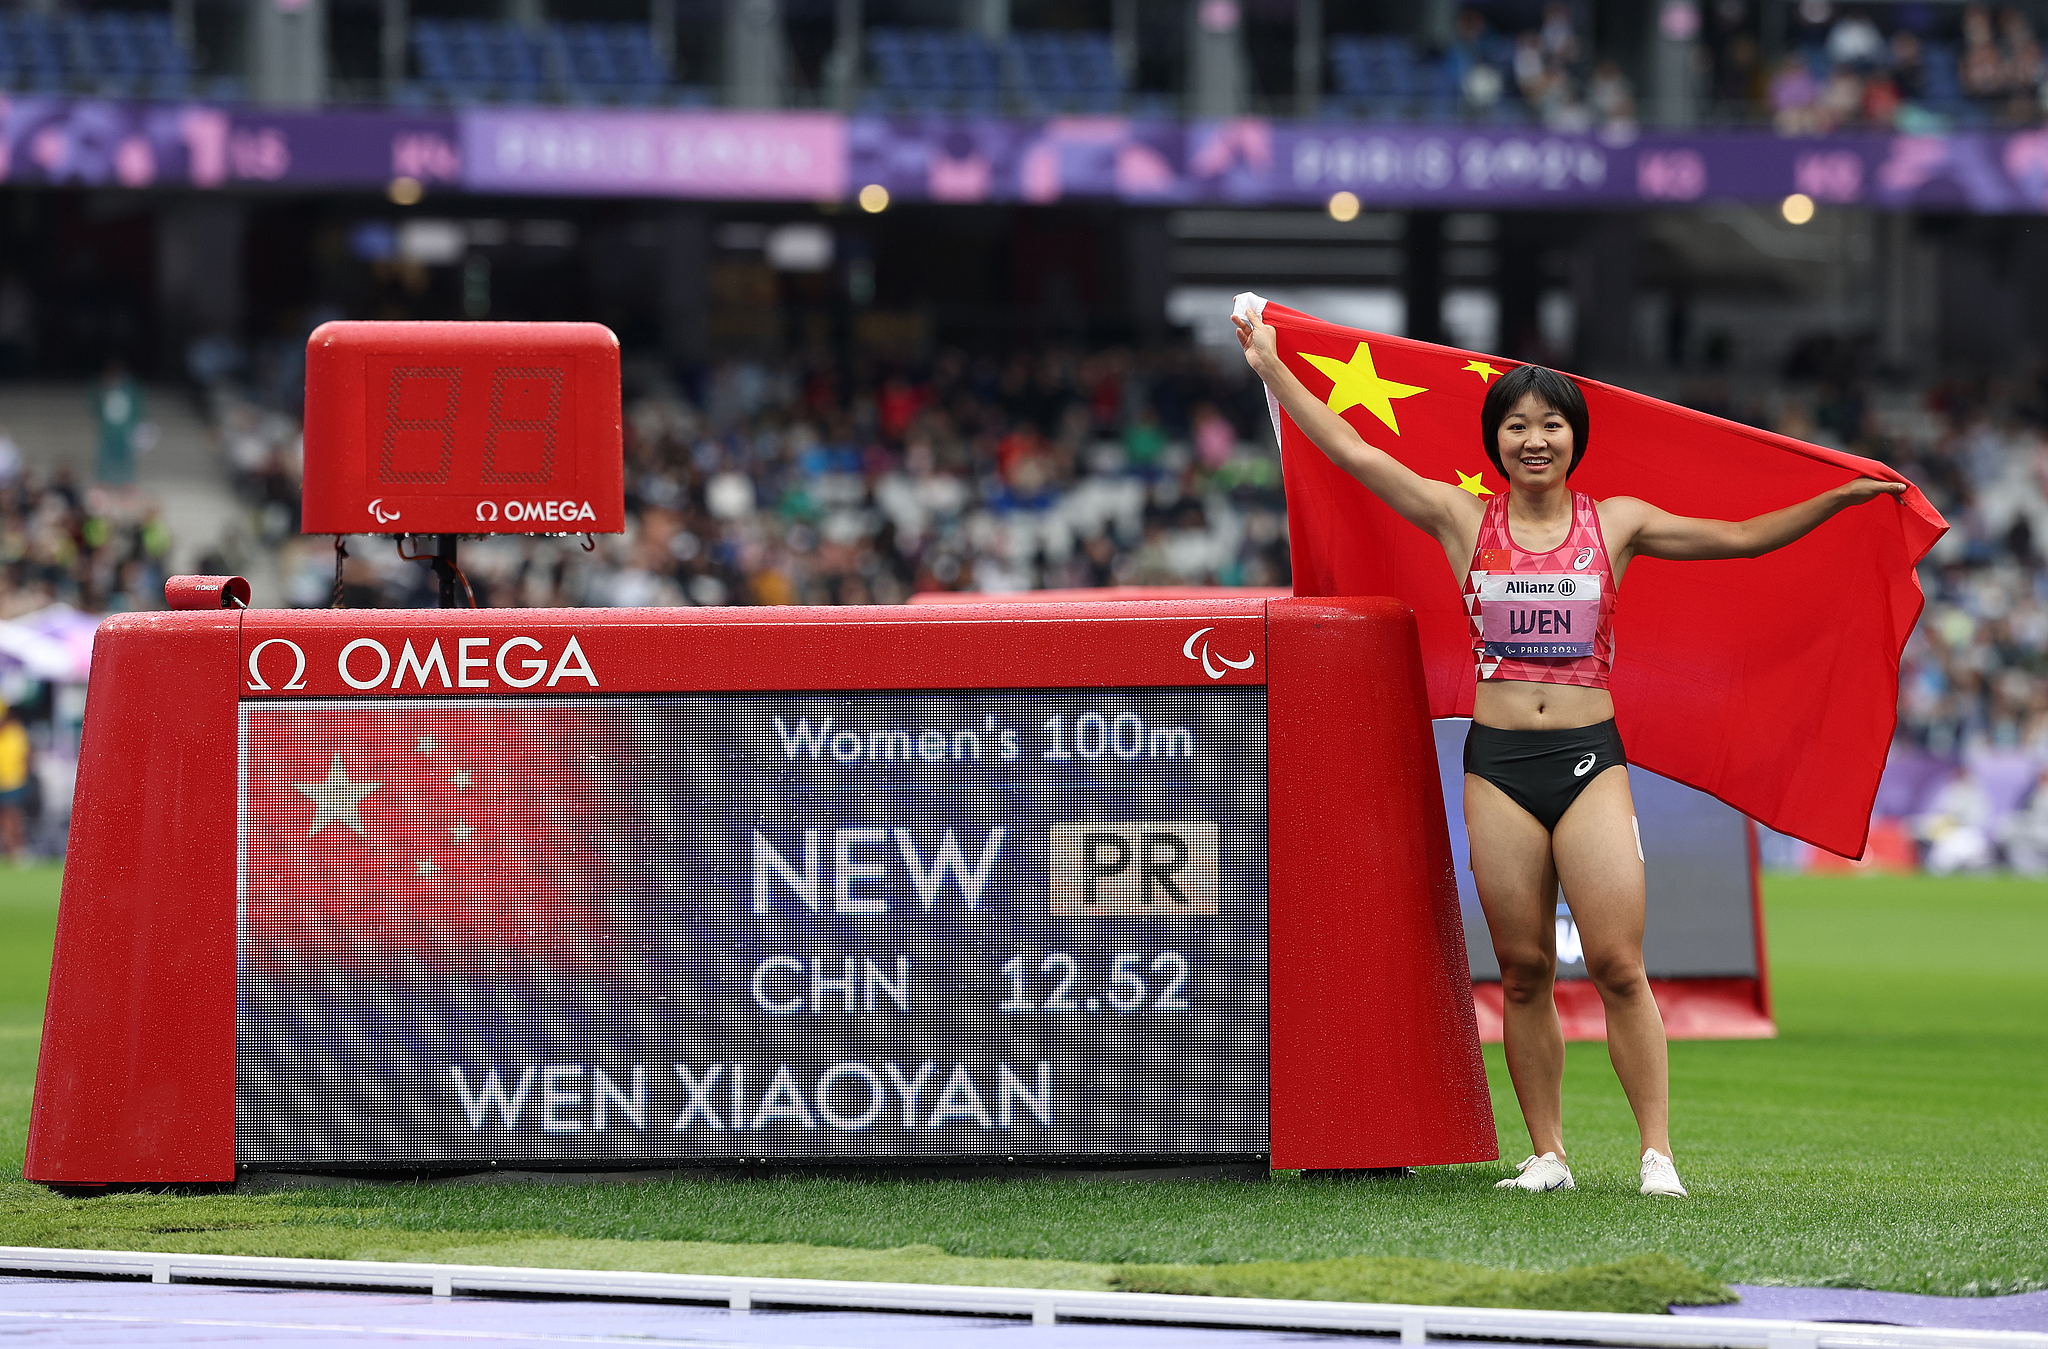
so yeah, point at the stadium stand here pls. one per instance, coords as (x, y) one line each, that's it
(471, 61)
(110, 53)
(1388, 79)
(1036, 73)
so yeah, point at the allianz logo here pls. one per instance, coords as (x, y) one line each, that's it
(1563, 588)
(366, 663)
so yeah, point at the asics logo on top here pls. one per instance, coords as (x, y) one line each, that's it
(1585, 765)
(1583, 560)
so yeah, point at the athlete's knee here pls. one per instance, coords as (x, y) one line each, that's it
(1617, 974)
(1526, 975)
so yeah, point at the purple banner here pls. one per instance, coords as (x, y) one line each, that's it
(750, 156)
(709, 155)
(102, 143)
(992, 159)
(1251, 161)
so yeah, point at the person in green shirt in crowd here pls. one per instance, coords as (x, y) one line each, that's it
(117, 406)
(1144, 441)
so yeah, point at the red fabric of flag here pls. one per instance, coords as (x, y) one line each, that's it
(1771, 682)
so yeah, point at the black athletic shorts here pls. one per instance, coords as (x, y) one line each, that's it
(1543, 772)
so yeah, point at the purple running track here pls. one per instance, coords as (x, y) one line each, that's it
(2018, 1311)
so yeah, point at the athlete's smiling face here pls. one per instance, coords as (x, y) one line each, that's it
(1535, 444)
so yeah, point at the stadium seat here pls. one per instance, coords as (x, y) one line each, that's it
(1055, 72)
(606, 63)
(933, 70)
(111, 53)
(1386, 79)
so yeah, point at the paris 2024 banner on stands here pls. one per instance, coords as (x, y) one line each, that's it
(715, 155)
(1770, 682)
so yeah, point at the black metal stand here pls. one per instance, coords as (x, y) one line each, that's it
(444, 567)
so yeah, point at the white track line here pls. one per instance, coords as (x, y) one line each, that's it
(1045, 1306)
(381, 1331)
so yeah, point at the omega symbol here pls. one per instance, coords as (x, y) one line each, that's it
(1208, 667)
(298, 679)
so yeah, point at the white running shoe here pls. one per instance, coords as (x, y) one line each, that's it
(1660, 1175)
(1538, 1174)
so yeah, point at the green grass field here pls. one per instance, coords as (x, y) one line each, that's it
(1895, 1136)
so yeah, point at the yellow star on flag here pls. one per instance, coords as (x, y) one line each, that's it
(336, 800)
(1355, 384)
(1471, 483)
(1485, 372)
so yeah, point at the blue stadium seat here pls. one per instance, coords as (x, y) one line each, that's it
(38, 55)
(1064, 72)
(606, 63)
(933, 70)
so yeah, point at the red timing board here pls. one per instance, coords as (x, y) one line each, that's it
(463, 428)
(1374, 1055)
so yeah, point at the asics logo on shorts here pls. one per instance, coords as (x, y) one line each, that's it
(1585, 765)
(1580, 562)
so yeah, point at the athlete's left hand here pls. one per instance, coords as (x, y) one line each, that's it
(1858, 490)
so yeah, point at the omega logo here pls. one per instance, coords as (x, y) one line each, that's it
(298, 679)
(555, 512)
(528, 664)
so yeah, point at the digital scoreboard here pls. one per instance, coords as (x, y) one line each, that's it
(453, 890)
(753, 925)
(463, 428)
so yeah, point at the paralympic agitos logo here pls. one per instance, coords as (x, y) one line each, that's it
(367, 663)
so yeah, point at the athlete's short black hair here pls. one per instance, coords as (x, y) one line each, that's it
(1557, 392)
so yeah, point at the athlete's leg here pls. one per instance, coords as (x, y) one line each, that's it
(1517, 884)
(1602, 875)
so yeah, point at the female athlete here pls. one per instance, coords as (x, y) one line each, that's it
(1546, 791)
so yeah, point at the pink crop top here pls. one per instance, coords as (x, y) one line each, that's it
(1547, 618)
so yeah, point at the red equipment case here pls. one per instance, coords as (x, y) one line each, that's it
(1374, 1052)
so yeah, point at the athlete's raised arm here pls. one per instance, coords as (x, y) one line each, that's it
(1650, 532)
(1433, 507)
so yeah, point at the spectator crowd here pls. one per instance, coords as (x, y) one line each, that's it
(1911, 68)
(783, 484)
(789, 483)
(1829, 67)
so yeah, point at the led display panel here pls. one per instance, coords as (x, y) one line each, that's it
(719, 926)
(465, 428)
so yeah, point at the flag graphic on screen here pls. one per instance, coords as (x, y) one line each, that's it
(1771, 683)
(455, 836)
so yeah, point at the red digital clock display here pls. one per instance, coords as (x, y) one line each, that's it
(463, 428)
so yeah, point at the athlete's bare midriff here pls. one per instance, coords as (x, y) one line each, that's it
(1521, 705)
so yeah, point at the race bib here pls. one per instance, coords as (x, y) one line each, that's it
(1531, 615)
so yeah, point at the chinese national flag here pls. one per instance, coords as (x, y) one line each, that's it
(1771, 682)
(440, 838)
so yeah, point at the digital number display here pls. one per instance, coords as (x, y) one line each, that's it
(471, 428)
(706, 927)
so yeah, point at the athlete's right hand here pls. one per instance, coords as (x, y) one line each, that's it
(1261, 347)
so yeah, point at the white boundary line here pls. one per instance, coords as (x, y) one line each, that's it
(1045, 1306)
